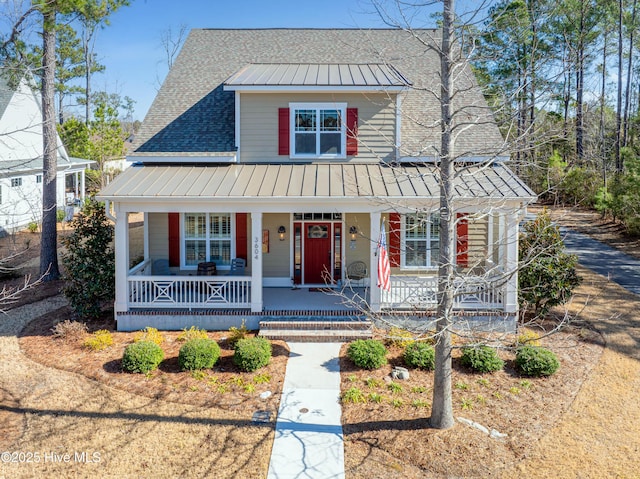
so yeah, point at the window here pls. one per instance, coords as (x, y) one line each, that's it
(15, 182)
(207, 237)
(38, 178)
(318, 130)
(421, 237)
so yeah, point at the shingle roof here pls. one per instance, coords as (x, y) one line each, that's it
(294, 181)
(192, 114)
(318, 74)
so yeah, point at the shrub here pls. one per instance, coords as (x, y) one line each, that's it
(354, 395)
(192, 333)
(149, 334)
(252, 353)
(89, 261)
(528, 337)
(399, 337)
(420, 355)
(68, 329)
(99, 340)
(236, 334)
(547, 275)
(532, 361)
(142, 357)
(367, 353)
(482, 359)
(198, 353)
(32, 227)
(60, 216)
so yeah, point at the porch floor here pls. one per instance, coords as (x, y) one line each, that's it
(312, 299)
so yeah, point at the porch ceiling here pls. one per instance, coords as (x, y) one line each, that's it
(294, 182)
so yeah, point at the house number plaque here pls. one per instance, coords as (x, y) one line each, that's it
(257, 245)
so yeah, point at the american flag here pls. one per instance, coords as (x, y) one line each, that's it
(384, 268)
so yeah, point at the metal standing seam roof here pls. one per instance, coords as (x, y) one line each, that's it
(315, 74)
(290, 181)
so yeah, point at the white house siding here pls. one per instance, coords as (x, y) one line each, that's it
(276, 263)
(259, 123)
(20, 205)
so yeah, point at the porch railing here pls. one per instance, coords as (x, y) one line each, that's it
(216, 292)
(410, 292)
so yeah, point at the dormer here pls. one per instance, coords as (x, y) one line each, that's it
(317, 112)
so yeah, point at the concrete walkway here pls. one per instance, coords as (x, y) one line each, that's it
(603, 259)
(309, 443)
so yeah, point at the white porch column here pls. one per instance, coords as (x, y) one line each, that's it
(510, 239)
(145, 229)
(374, 291)
(256, 262)
(83, 190)
(121, 247)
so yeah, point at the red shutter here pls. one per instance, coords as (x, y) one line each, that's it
(394, 239)
(462, 242)
(241, 235)
(352, 131)
(174, 239)
(283, 131)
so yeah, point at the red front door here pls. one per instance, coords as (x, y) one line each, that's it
(317, 253)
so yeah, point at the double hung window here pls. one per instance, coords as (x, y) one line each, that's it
(421, 238)
(318, 130)
(207, 237)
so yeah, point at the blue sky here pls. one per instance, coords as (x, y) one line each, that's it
(131, 50)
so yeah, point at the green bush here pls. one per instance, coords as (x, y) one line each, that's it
(367, 353)
(420, 355)
(547, 275)
(142, 357)
(482, 359)
(89, 262)
(198, 354)
(579, 186)
(533, 361)
(252, 353)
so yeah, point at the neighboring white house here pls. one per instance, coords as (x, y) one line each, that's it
(21, 161)
(288, 149)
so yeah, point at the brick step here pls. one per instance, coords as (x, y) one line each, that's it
(316, 331)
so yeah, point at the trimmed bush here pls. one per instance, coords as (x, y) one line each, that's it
(420, 355)
(192, 333)
(99, 340)
(528, 337)
(149, 334)
(399, 337)
(142, 357)
(367, 353)
(198, 353)
(252, 353)
(532, 361)
(482, 359)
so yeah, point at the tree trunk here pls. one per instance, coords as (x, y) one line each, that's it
(87, 77)
(603, 147)
(580, 91)
(619, 165)
(627, 94)
(49, 243)
(442, 410)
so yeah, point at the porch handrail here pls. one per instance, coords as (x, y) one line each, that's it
(189, 291)
(142, 268)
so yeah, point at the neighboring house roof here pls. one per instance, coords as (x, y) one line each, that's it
(317, 75)
(193, 114)
(290, 181)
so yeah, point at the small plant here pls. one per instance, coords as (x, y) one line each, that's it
(373, 383)
(236, 381)
(418, 389)
(375, 397)
(353, 395)
(397, 403)
(149, 334)
(261, 378)
(528, 338)
(483, 382)
(142, 357)
(399, 337)
(514, 390)
(194, 388)
(482, 359)
(192, 333)
(213, 380)
(33, 227)
(198, 354)
(249, 388)
(69, 330)
(419, 403)
(252, 353)
(99, 340)
(480, 399)
(395, 388)
(420, 355)
(525, 384)
(352, 378)
(466, 404)
(367, 353)
(236, 334)
(461, 385)
(223, 388)
(532, 361)
(198, 374)
(497, 395)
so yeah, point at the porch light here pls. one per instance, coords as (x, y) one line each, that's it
(281, 231)
(353, 231)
